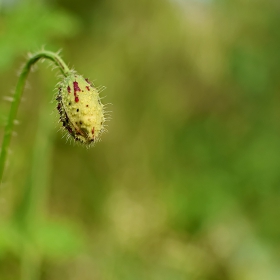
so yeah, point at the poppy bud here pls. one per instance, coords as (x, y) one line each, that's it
(81, 111)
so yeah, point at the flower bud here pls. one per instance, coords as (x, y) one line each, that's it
(81, 111)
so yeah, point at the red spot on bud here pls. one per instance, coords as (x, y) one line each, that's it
(88, 81)
(92, 131)
(87, 87)
(68, 89)
(76, 88)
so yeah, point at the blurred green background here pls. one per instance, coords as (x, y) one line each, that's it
(186, 184)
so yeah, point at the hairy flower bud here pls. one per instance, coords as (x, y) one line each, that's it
(81, 111)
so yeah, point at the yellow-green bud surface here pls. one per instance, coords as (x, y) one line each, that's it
(80, 108)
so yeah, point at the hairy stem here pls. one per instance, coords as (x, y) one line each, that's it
(17, 97)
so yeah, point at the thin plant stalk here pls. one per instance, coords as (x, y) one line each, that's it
(17, 97)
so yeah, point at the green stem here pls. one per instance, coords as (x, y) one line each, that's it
(17, 97)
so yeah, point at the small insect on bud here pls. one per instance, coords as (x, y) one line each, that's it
(81, 111)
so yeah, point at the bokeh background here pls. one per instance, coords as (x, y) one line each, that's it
(186, 184)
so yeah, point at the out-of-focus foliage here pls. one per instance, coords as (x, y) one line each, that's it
(186, 184)
(26, 25)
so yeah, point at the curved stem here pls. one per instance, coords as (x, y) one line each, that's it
(17, 97)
